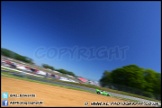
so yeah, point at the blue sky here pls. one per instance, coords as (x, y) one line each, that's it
(29, 26)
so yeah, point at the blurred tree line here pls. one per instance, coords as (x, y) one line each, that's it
(48, 66)
(63, 71)
(11, 54)
(134, 79)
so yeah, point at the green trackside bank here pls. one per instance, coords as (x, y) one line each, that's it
(102, 92)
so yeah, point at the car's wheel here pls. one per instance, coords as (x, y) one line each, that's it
(108, 95)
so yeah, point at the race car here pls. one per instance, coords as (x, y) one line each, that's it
(102, 92)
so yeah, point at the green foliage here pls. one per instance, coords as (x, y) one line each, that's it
(16, 56)
(106, 78)
(63, 71)
(48, 66)
(148, 94)
(135, 77)
(153, 81)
